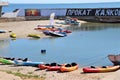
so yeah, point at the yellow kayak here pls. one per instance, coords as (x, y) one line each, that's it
(69, 67)
(34, 35)
(13, 35)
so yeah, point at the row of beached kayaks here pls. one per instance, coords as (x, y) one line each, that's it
(57, 33)
(40, 65)
(74, 66)
(57, 67)
(19, 62)
(47, 30)
(53, 31)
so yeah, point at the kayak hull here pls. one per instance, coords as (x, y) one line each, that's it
(27, 63)
(100, 69)
(5, 61)
(49, 67)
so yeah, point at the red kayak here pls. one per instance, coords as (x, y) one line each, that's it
(50, 67)
(93, 69)
(53, 68)
(43, 66)
(67, 31)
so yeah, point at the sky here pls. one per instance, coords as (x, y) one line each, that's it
(60, 1)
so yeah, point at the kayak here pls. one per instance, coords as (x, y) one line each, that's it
(50, 67)
(69, 67)
(3, 31)
(43, 66)
(93, 69)
(13, 35)
(5, 61)
(67, 31)
(53, 68)
(12, 59)
(27, 63)
(46, 27)
(57, 33)
(34, 35)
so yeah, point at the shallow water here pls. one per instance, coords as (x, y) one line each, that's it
(87, 45)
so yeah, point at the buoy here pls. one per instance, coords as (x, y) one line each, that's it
(43, 51)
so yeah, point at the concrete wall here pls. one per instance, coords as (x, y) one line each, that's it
(0, 11)
(11, 19)
(90, 15)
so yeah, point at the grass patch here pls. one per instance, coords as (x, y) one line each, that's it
(26, 76)
(30, 72)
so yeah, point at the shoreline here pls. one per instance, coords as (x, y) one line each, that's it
(23, 28)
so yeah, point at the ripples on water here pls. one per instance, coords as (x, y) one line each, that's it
(94, 26)
(87, 45)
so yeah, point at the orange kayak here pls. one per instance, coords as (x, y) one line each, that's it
(69, 67)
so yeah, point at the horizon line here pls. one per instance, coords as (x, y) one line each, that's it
(64, 3)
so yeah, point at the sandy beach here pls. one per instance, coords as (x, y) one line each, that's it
(9, 72)
(22, 29)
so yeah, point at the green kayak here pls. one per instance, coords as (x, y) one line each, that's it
(5, 61)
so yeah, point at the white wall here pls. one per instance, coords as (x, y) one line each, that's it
(58, 12)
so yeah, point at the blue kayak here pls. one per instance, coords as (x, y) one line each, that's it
(58, 34)
(3, 31)
(27, 63)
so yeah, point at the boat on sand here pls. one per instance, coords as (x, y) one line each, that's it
(57, 33)
(72, 21)
(115, 59)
